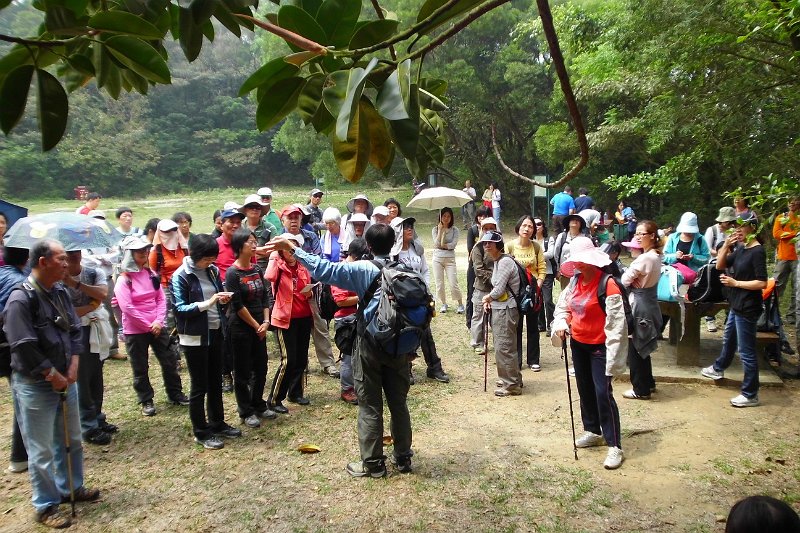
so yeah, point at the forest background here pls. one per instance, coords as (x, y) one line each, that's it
(682, 100)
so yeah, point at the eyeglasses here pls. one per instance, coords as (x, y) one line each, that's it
(539, 224)
(642, 234)
(317, 196)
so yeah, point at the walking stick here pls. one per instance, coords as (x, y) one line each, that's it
(485, 348)
(64, 414)
(569, 394)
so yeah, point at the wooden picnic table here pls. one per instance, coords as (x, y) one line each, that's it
(687, 347)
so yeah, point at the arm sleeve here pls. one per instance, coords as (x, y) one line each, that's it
(777, 228)
(561, 315)
(540, 262)
(504, 270)
(481, 271)
(701, 253)
(180, 293)
(551, 248)
(152, 259)
(616, 330)
(454, 241)
(161, 306)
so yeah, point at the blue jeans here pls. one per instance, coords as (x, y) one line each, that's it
(740, 332)
(599, 411)
(496, 215)
(41, 420)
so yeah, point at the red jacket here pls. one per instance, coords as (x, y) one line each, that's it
(284, 293)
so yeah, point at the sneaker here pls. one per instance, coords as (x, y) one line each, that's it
(97, 436)
(711, 326)
(631, 395)
(148, 409)
(743, 401)
(403, 464)
(479, 350)
(280, 409)
(460, 310)
(251, 421)
(358, 469)
(709, 372)
(332, 371)
(589, 439)
(17, 467)
(474, 345)
(614, 458)
(180, 399)
(52, 517)
(502, 393)
(571, 371)
(83, 494)
(302, 400)
(267, 414)
(350, 397)
(108, 428)
(211, 443)
(535, 368)
(228, 432)
(499, 383)
(440, 376)
(227, 383)
(443, 309)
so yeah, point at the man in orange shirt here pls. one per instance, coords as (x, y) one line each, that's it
(785, 230)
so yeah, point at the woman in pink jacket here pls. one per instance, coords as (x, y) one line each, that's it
(141, 299)
(291, 320)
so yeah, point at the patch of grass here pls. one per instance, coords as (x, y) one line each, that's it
(682, 467)
(723, 465)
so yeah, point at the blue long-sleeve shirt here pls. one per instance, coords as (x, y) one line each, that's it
(356, 277)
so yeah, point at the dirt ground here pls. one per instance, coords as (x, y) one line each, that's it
(482, 463)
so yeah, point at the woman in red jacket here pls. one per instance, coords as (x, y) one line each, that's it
(291, 320)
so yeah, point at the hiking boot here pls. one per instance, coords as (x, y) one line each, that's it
(83, 494)
(227, 383)
(180, 399)
(744, 401)
(502, 393)
(711, 326)
(251, 421)
(350, 397)
(460, 310)
(229, 432)
(97, 436)
(108, 428)
(148, 409)
(302, 400)
(614, 458)
(52, 517)
(439, 375)
(17, 467)
(403, 464)
(332, 371)
(267, 414)
(211, 443)
(709, 372)
(280, 409)
(589, 439)
(359, 469)
(631, 395)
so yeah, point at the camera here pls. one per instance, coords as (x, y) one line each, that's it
(62, 323)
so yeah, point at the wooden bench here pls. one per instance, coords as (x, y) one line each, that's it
(687, 347)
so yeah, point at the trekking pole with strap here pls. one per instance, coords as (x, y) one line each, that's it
(486, 347)
(569, 394)
(64, 414)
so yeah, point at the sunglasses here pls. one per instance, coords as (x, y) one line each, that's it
(266, 197)
(317, 196)
(539, 224)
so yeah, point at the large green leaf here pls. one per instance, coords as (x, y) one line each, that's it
(14, 95)
(432, 5)
(380, 143)
(275, 70)
(404, 78)
(137, 82)
(202, 10)
(434, 86)
(279, 101)
(390, 101)
(429, 101)
(191, 35)
(224, 16)
(311, 6)
(338, 18)
(355, 87)
(140, 57)
(82, 64)
(310, 99)
(298, 21)
(406, 132)
(335, 91)
(16, 57)
(76, 6)
(125, 23)
(352, 154)
(62, 22)
(53, 109)
(373, 32)
(207, 28)
(4, 3)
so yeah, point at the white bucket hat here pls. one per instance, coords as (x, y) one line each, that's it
(688, 223)
(583, 250)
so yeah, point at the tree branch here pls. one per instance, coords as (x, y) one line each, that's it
(379, 13)
(757, 60)
(32, 42)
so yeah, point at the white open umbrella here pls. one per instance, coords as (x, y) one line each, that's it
(439, 197)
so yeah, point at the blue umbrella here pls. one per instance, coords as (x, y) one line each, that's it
(12, 212)
(73, 231)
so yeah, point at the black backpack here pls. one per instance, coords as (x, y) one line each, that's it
(327, 305)
(404, 312)
(529, 298)
(707, 287)
(601, 296)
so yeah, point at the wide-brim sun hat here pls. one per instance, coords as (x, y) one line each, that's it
(254, 199)
(726, 214)
(488, 220)
(132, 242)
(633, 245)
(381, 210)
(96, 213)
(492, 236)
(577, 217)
(583, 250)
(231, 206)
(264, 191)
(357, 217)
(688, 223)
(351, 204)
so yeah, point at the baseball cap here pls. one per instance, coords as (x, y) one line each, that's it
(488, 220)
(290, 209)
(296, 238)
(264, 191)
(132, 242)
(315, 192)
(381, 210)
(231, 206)
(230, 213)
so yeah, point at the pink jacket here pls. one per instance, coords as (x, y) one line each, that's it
(281, 313)
(140, 303)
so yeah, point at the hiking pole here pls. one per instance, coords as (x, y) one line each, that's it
(485, 348)
(569, 394)
(64, 414)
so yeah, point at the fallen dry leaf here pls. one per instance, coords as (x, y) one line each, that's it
(387, 440)
(309, 448)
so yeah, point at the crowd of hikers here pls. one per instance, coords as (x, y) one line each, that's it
(209, 301)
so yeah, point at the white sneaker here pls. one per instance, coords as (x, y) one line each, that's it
(631, 395)
(743, 401)
(535, 368)
(572, 371)
(479, 350)
(460, 310)
(711, 325)
(614, 458)
(17, 467)
(589, 439)
(443, 309)
(709, 372)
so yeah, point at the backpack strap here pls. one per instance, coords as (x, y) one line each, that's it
(601, 290)
(368, 296)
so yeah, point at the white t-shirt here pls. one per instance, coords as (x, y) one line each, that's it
(496, 197)
(470, 191)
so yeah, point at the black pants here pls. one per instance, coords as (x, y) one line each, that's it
(531, 322)
(641, 372)
(428, 346)
(137, 346)
(18, 452)
(599, 411)
(203, 363)
(548, 306)
(90, 386)
(293, 345)
(249, 358)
